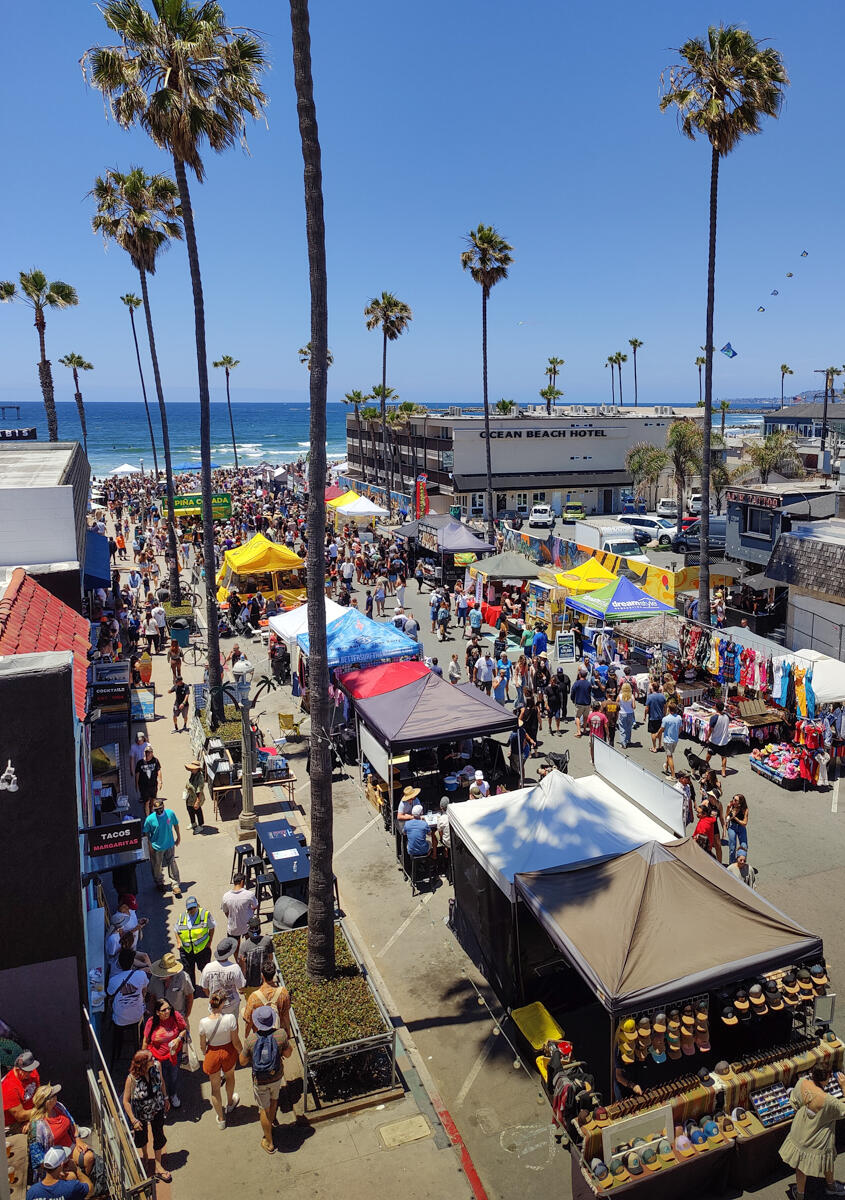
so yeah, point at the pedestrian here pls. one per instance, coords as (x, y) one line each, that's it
(220, 1047)
(194, 930)
(461, 610)
(239, 904)
(223, 975)
(368, 603)
(656, 710)
(148, 778)
(162, 829)
(265, 1049)
(175, 659)
(160, 617)
(126, 987)
(443, 622)
(454, 670)
(436, 668)
(475, 620)
(169, 981)
(581, 698)
(165, 1034)
(737, 822)
(810, 1145)
(742, 870)
(484, 673)
(136, 754)
(597, 724)
(610, 708)
(718, 736)
(254, 950)
(151, 630)
(411, 627)
(378, 597)
(269, 992)
(705, 832)
(145, 1102)
(180, 692)
(627, 712)
(194, 794)
(670, 729)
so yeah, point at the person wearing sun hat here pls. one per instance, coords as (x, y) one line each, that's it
(169, 981)
(406, 803)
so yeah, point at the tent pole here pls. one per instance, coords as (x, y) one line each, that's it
(390, 785)
(517, 952)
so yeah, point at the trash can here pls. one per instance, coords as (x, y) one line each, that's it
(180, 632)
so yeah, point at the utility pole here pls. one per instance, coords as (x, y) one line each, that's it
(826, 372)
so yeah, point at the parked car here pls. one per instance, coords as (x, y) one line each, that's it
(541, 517)
(510, 517)
(694, 504)
(667, 507)
(574, 511)
(655, 528)
(690, 539)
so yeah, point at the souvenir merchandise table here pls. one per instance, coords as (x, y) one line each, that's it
(697, 718)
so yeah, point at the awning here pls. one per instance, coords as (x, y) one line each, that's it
(619, 600)
(288, 626)
(386, 677)
(97, 571)
(508, 565)
(430, 710)
(549, 479)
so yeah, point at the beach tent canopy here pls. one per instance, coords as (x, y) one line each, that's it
(361, 506)
(508, 565)
(619, 599)
(386, 677)
(355, 639)
(455, 538)
(288, 626)
(558, 822)
(590, 575)
(97, 567)
(125, 469)
(259, 554)
(344, 498)
(828, 675)
(333, 492)
(626, 924)
(430, 710)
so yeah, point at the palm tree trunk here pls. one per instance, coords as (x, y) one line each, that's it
(172, 552)
(80, 408)
(45, 378)
(723, 423)
(144, 394)
(360, 444)
(636, 389)
(704, 539)
(700, 394)
(781, 389)
(679, 500)
(490, 531)
(383, 407)
(231, 421)
(621, 401)
(215, 671)
(613, 383)
(321, 952)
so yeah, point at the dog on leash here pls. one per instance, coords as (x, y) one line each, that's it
(697, 763)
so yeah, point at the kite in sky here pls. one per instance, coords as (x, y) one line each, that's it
(789, 275)
(728, 350)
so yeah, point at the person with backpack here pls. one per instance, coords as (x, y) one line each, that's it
(270, 993)
(266, 1049)
(254, 950)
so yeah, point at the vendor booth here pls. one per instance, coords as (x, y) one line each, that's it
(262, 566)
(289, 625)
(359, 509)
(355, 640)
(440, 544)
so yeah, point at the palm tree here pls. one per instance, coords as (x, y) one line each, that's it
(371, 416)
(684, 440)
(392, 316)
(356, 399)
(699, 362)
(724, 406)
(187, 79)
(141, 214)
(722, 89)
(228, 364)
(487, 258)
(620, 359)
(383, 396)
(77, 363)
(550, 394)
(399, 419)
(721, 478)
(132, 302)
(39, 295)
(304, 353)
(321, 954)
(645, 462)
(611, 362)
(776, 452)
(784, 371)
(635, 345)
(505, 407)
(552, 369)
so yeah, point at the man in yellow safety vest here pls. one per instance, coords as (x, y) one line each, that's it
(194, 930)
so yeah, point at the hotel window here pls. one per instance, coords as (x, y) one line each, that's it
(476, 504)
(538, 498)
(758, 523)
(522, 502)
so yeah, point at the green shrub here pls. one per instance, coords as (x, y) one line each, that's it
(332, 1013)
(228, 730)
(174, 611)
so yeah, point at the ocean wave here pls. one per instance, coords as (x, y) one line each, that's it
(306, 444)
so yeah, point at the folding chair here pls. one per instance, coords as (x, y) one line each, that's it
(288, 723)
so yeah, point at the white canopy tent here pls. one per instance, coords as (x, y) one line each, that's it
(362, 507)
(289, 625)
(828, 676)
(559, 822)
(125, 469)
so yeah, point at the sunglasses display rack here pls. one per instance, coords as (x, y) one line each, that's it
(772, 1104)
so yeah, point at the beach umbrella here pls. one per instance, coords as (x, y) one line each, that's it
(125, 469)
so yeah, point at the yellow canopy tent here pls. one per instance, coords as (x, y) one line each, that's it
(262, 566)
(586, 578)
(339, 501)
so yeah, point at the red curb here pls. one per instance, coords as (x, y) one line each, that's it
(456, 1140)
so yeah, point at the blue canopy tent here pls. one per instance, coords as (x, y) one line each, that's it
(96, 569)
(356, 640)
(617, 601)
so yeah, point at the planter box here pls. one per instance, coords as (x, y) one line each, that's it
(229, 732)
(344, 1034)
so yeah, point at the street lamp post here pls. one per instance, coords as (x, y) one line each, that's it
(243, 671)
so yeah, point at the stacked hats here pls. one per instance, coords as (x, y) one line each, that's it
(702, 1027)
(758, 1000)
(819, 978)
(741, 1003)
(805, 984)
(643, 1042)
(729, 1016)
(658, 1038)
(774, 1000)
(790, 990)
(627, 1037)
(687, 1030)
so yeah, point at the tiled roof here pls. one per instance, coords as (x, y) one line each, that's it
(806, 411)
(810, 563)
(33, 621)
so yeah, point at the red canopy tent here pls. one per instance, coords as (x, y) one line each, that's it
(384, 677)
(333, 491)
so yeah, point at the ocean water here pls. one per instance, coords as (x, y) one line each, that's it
(278, 432)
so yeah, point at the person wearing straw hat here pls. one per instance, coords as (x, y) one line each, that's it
(406, 804)
(169, 981)
(194, 794)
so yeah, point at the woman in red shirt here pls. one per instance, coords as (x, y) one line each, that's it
(705, 831)
(164, 1036)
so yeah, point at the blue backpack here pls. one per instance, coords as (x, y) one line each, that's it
(266, 1058)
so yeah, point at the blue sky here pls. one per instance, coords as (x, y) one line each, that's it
(541, 119)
